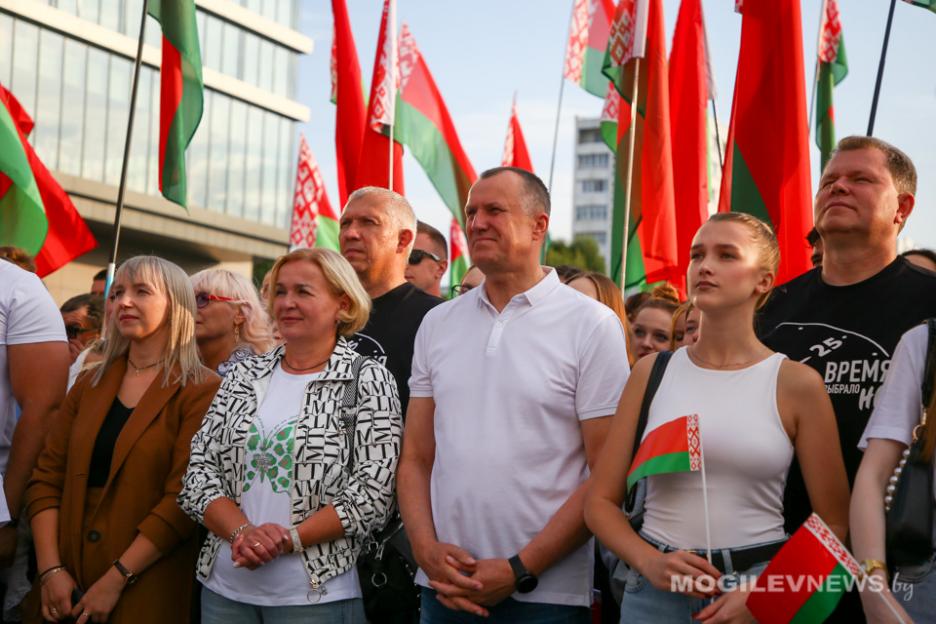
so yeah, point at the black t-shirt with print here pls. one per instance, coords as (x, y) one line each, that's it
(390, 332)
(848, 334)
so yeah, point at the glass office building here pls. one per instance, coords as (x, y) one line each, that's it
(70, 64)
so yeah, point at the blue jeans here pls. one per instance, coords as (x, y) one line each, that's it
(914, 587)
(643, 603)
(216, 609)
(510, 611)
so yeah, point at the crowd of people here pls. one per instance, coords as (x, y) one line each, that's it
(191, 448)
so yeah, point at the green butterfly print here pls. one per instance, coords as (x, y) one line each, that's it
(270, 456)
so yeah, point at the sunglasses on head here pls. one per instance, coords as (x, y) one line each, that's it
(202, 299)
(418, 255)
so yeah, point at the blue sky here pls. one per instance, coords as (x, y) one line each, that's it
(482, 51)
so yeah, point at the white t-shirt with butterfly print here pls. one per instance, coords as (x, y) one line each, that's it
(267, 480)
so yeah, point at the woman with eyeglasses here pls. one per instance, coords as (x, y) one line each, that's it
(112, 544)
(231, 324)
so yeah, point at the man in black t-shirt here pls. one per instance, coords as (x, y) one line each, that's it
(378, 228)
(845, 318)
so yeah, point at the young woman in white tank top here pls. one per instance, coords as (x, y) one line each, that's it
(755, 408)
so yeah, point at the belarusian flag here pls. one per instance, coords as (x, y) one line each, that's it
(458, 253)
(424, 125)
(674, 446)
(373, 167)
(806, 579)
(833, 67)
(766, 170)
(638, 31)
(36, 214)
(690, 87)
(610, 112)
(515, 147)
(314, 222)
(181, 92)
(348, 96)
(926, 4)
(588, 39)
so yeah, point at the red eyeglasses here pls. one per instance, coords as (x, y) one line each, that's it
(202, 299)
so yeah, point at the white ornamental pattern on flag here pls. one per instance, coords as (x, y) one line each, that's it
(831, 33)
(582, 12)
(310, 189)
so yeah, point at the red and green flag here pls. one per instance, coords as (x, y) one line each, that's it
(181, 92)
(36, 214)
(638, 32)
(458, 253)
(674, 446)
(766, 170)
(833, 67)
(424, 125)
(926, 4)
(804, 582)
(690, 87)
(373, 166)
(347, 94)
(589, 29)
(516, 153)
(314, 221)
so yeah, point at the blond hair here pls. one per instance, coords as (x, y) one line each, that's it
(180, 350)
(255, 330)
(764, 238)
(341, 279)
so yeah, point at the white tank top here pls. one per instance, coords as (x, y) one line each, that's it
(746, 453)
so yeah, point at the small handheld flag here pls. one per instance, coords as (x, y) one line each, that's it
(675, 446)
(806, 579)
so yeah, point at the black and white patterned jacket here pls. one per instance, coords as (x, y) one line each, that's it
(361, 498)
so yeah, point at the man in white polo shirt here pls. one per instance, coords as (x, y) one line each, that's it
(511, 387)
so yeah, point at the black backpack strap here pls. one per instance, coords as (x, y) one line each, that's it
(349, 407)
(653, 382)
(930, 370)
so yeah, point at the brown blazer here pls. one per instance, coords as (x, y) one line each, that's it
(150, 457)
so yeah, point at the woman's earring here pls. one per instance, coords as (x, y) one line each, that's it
(237, 334)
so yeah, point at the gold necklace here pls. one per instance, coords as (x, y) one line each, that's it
(695, 356)
(139, 369)
(296, 369)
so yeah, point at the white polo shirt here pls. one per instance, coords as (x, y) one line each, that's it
(510, 389)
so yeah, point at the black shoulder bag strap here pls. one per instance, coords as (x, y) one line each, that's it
(909, 501)
(349, 407)
(653, 383)
(927, 387)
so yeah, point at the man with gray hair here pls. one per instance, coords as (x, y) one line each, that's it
(513, 384)
(378, 229)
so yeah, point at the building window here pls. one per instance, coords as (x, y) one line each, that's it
(240, 162)
(594, 186)
(599, 237)
(591, 212)
(589, 135)
(592, 161)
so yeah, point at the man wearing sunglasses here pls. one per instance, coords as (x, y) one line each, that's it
(83, 316)
(427, 261)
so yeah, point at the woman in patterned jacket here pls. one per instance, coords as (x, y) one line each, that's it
(294, 464)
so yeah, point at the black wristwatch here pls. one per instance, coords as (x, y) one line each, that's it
(525, 582)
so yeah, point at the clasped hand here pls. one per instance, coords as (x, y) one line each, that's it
(463, 583)
(259, 545)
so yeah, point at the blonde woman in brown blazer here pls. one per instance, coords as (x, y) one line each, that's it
(112, 544)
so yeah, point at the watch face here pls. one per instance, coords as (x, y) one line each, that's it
(526, 584)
